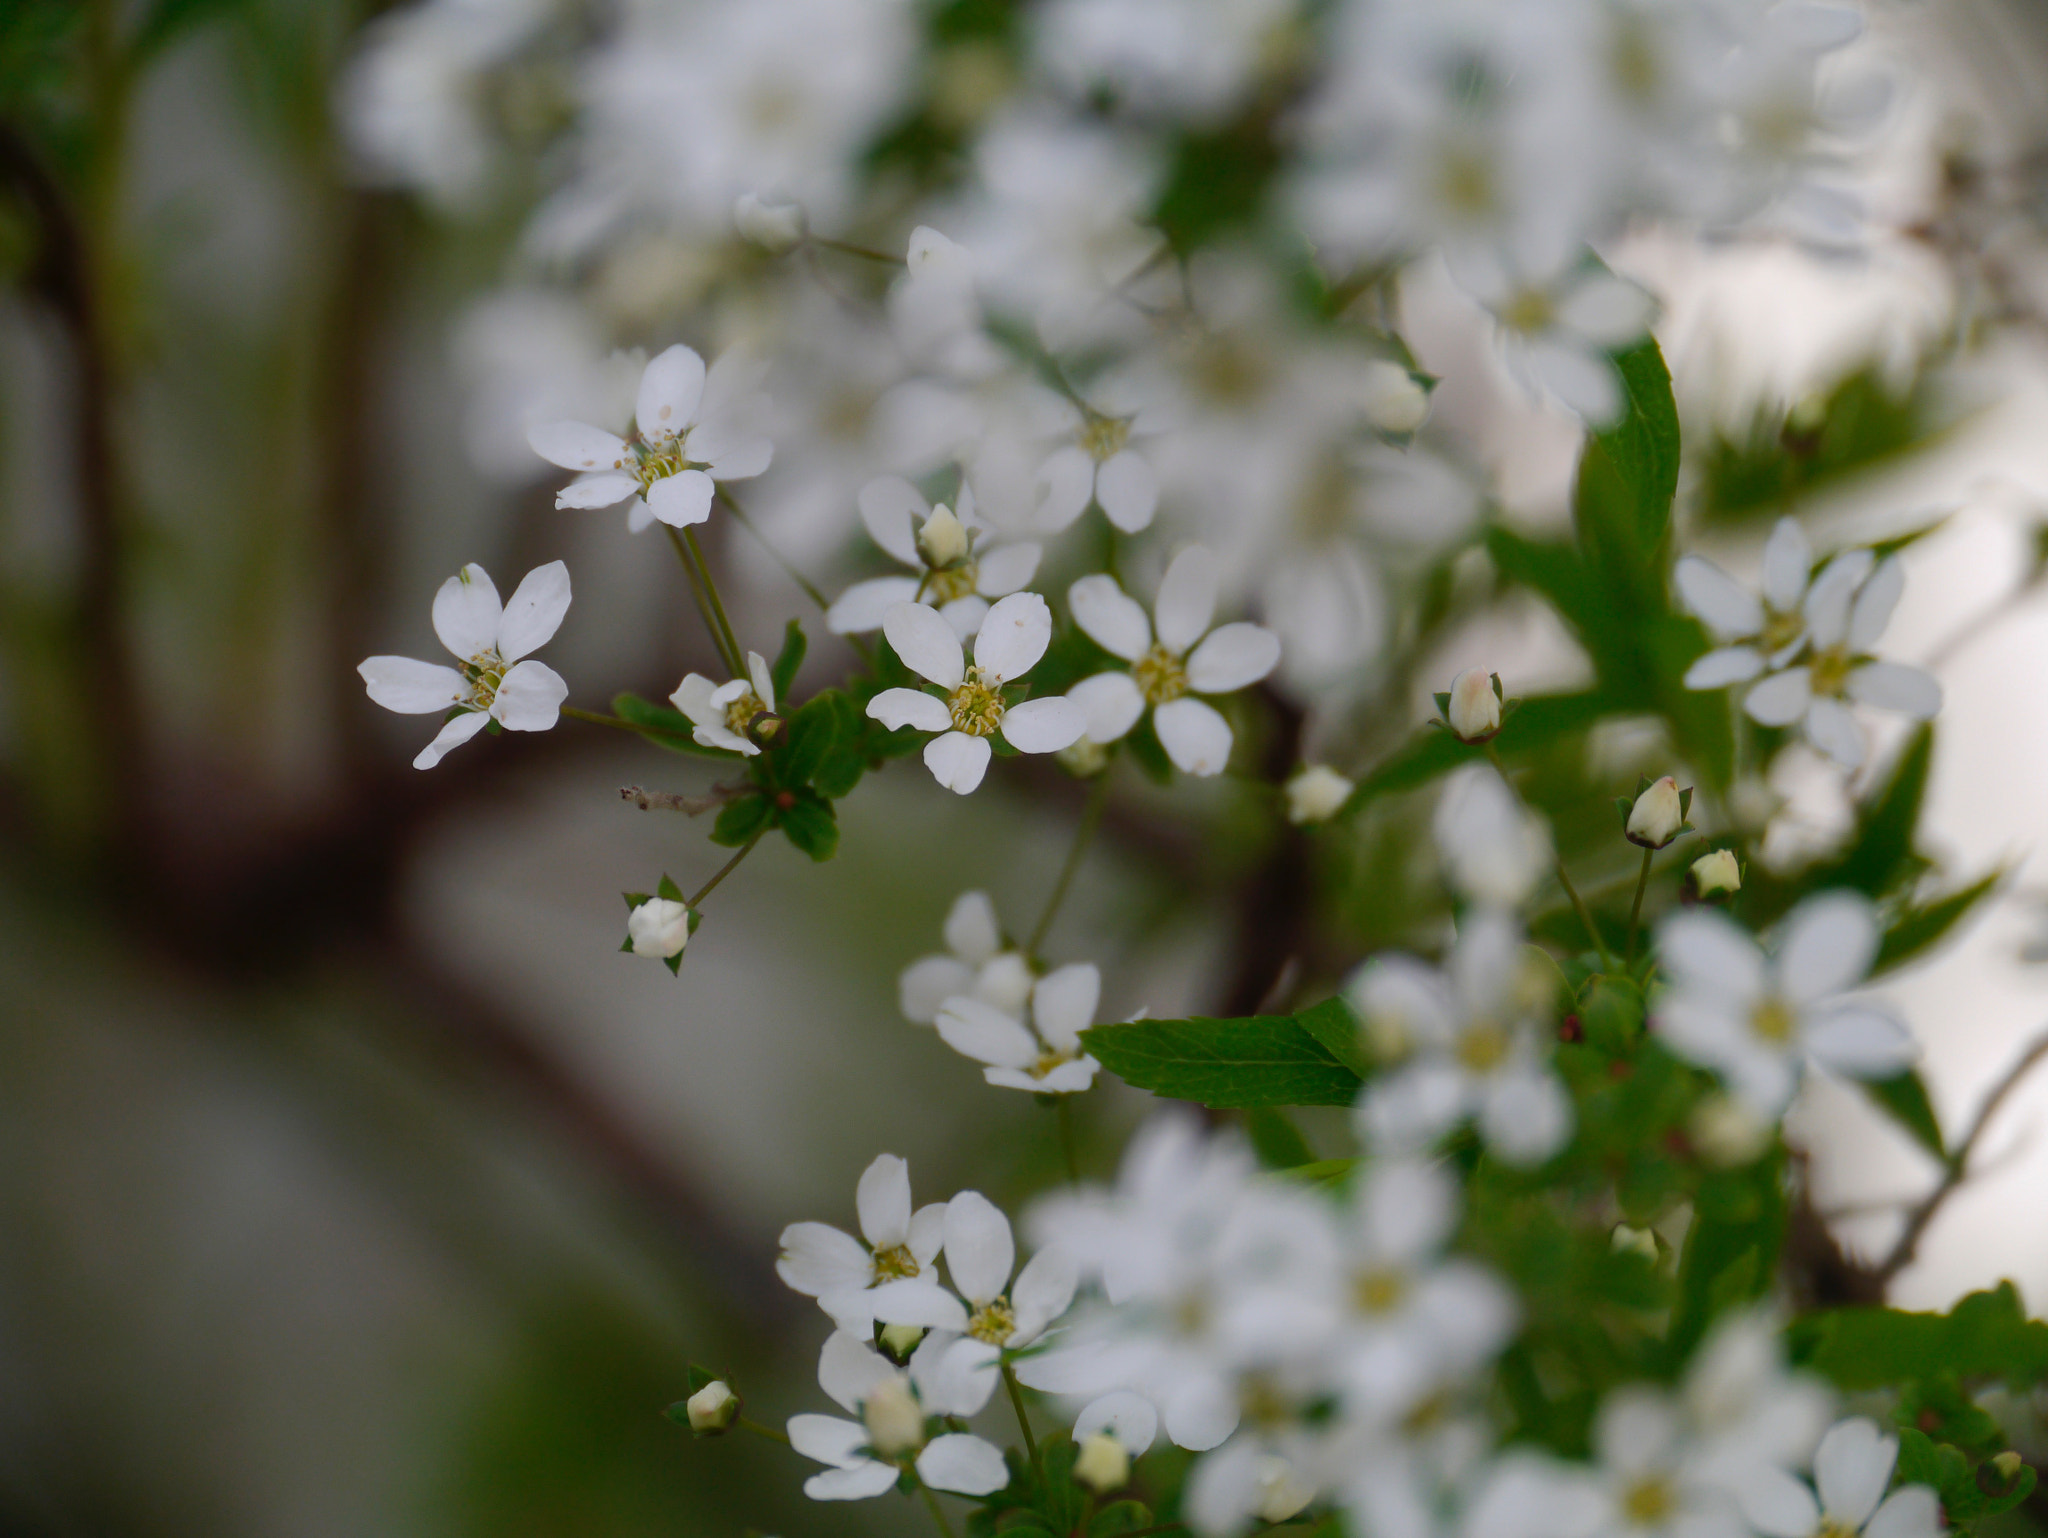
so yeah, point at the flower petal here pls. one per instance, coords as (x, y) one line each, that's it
(1894, 686)
(577, 446)
(466, 613)
(892, 509)
(1830, 940)
(1063, 1004)
(670, 391)
(1128, 489)
(828, 1439)
(1709, 951)
(917, 1300)
(1913, 1511)
(731, 453)
(883, 1201)
(681, 499)
(928, 982)
(928, 1232)
(763, 680)
(898, 708)
(926, 643)
(530, 698)
(1526, 1116)
(1861, 1041)
(1004, 569)
(1831, 727)
(1113, 619)
(1778, 1505)
(535, 611)
(1780, 699)
(972, 930)
(1828, 600)
(818, 1258)
(412, 687)
(458, 731)
(1130, 1418)
(1044, 726)
(1788, 562)
(1195, 737)
(860, 1482)
(963, 1464)
(1582, 380)
(966, 616)
(979, 1248)
(1187, 599)
(1111, 702)
(1231, 657)
(1852, 1467)
(849, 1370)
(1013, 636)
(598, 490)
(1722, 604)
(986, 1034)
(1875, 601)
(958, 761)
(1065, 482)
(1044, 1291)
(1729, 665)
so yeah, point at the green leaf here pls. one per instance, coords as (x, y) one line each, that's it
(788, 660)
(668, 728)
(1883, 849)
(1226, 1064)
(667, 888)
(1923, 926)
(1120, 1517)
(1277, 1141)
(1540, 722)
(1904, 1099)
(1986, 1335)
(1628, 474)
(808, 740)
(809, 824)
(846, 760)
(1731, 1249)
(741, 820)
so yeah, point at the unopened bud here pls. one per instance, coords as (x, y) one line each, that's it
(2008, 1464)
(1005, 981)
(1316, 794)
(1726, 1132)
(899, 1340)
(1473, 713)
(659, 927)
(1393, 401)
(1083, 759)
(1283, 1493)
(894, 1419)
(1658, 814)
(713, 1407)
(764, 726)
(1716, 872)
(1102, 1464)
(1634, 1241)
(774, 227)
(943, 540)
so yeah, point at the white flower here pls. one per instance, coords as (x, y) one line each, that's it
(1473, 713)
(1557, 331)
(1652, 1478)
(1852, 1467)
(1165, 674)
(866, 1455)
(722, 713)
(692, 430)
(935, 312)
(1752, 1017)
(488, 640)
(1317, 794)
(1100, 465)
(1046, 1056)
(1466, 1042)
(842, 1272)
(896, 515)
(980, 1252)
(1193, 58)
(1751, 1416)
(1657, 815)
(1755, 633)
(1494, 849)
(979, 966)
(1012, 638)
(659, 927)
(775, 227)
(1110, 1432)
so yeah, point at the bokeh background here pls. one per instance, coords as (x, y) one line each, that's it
(350, 1180)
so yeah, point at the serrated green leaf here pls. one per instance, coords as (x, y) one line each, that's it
(809, 824)
(1884, 842)
(787, 661)
(1264, 1060)
(1986, 1335)
(1120, 1517)
(742, 819)
(1904, 1100)
(1275, 1139)
(1628, 474)
(808, 741)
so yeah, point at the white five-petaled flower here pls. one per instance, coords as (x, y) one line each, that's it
(722, 713)
(1101, 466)
(1751, 1017)
(1013, 636)
(1852, 1468)
(1654, 1478)
(1812, 640)
(1556, 332)
(842, 1272)
(895, 512)
(488, 639)
(867, 1455)
(1045, 1056)
(978, 966)
(1164, 673)
(692, 430)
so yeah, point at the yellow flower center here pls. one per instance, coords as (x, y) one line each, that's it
(1830, 671)
(1378, 1290)
(1781, 629)
(739, 715)
(1649, 1502)
(1160, 676)
(485, 672)
(1262, 1403)
(947, 583)
(977, 704)
(993, 1322)
(1465, 182)
(1529, 311)
(1104, 437)
(656, 459)
(1483, 1047)
(1773, 1021)
(894, 1262)
(1048, 1060)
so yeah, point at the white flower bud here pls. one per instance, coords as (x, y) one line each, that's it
(1315, 794)
(659, 927)
(774, 227)
(943, 540)
(894, 1419)
(1393, 401)
(1083, 759)
(1715, 872)
(1102, 1464)
(899, 1340)
(713, 1407)
(1282, 1491)
(1658, 814)
(1640, 1241)
(1726, 1132)
(1474, 712)
(1005, 981)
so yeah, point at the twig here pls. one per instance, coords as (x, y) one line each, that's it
(851, 249)
(1902, 1252)
(931, 1500)
(1017, 1404)
(1635, 911)
(671, 801)
(746, 1423)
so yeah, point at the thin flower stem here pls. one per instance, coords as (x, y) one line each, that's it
(760, 1430)
(1023, 1420)
(932, 1501)
(728, 653)
(724, 870)
(717, 604)
(810, 588)
(851, 249)
(1065, 1107)
(1091, 818)
(1635, 911)
(595, 719)
(1563, 877)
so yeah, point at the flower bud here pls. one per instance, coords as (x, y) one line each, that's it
(1393, 401)
(1083, 759)
(1726, 1132)
(1102, 1464)
(1005, 981)
(1638, 1241)
(1716, 872)
(899, 1340)
(894, 1419)
(2008, 1464)
(1658, 814)
(659, 927)
(763, 727)
(943, 540)
(775, 227)
(1315, 794)
(1283, 1493)
(713, 1407)
(1474, 710)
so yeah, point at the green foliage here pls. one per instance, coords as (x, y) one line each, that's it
(1985, 1336)
(664, 726)
(1528, 727)
(783, 674)
(1311, 1058)
(1919, 927)
(1277, 1141)
(1904, 1099)
(1960, 1481)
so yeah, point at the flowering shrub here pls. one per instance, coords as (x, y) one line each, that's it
(1137, 425)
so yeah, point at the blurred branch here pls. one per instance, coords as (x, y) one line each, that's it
(1273, 907)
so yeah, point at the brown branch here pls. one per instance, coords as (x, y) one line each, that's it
(671, 801)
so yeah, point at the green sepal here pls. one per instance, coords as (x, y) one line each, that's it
(635, 899)
(1120, 1517)
(783, 673)
(667, 888)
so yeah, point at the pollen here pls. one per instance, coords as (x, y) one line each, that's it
(486, 672)
(1104, 437)
(1160, 676)
(941, 587)
(1483, 1047)
(894, 1262)
(657, 458)
(1830, 671)
(739, 715)
(1773, 1020)
(1378, 1290)
(1648, 1502)
(993, 1322)
(977, 704)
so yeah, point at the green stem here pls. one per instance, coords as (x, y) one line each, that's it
(717, 604)
(1091, 818)
(932, 1501)
(869, 252)
(723, 871)
(1065, 1108)
(810, 588)
(1023, 1420)
(708, 608)
(1563, 876)
(760, 1430)
(1635, 911)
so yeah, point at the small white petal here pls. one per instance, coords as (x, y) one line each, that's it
(966, 616)
(1065, 482)
(1044, 1290)
(1852, 1467)
(863, 1481)
(963, 1464)
(535, 611)
(1044, 726)
(600, 490)
(1111, 702)
(1526, 1116)
(818, 1258)
(917, 1300)
(898, 708)
(928, 982)
(1875, 601)
(682, 499)
(1777, 1505)
(1005, 569)
(412, 687)
(860, 608)
(530, 698)
(1128, 490)
(1231, 657)
(1895, 686)
(979, 1248)
(1717, 600)
(1195, 737)
(458, 731)
(1859, 1041)
(1581, 380)
(1112, 619)
(1707, 950)
(927, 1232)
(883, 1201)
(1063, 1004)
(972, 931)
(670, 391)
(1831, 726)
(466, 613)
(1788, 561)
(849, 1370)
(1013, 636)
(958, 761)
(763, 680)
(892, 509)
(1780, 699)
(731, 455)
(1911, 1512)
(1187, 599)
(1128, 1417)
(1830, 940)
(1201, 1415)
(1827, 602)
(639, 516)
(926, 643)
(828, 1439)
(577, 446)
(1606, 310)
(1729, 665)
(986, 1034)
